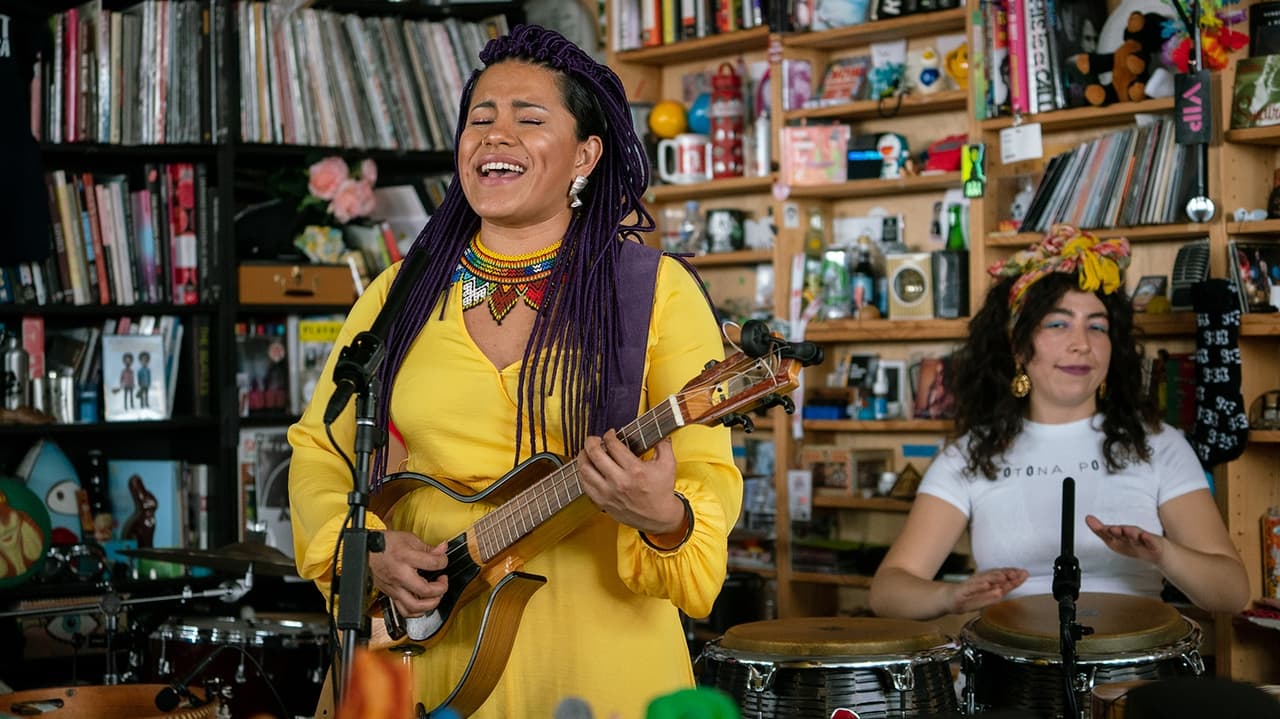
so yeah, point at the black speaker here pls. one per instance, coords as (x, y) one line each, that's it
(950, 283)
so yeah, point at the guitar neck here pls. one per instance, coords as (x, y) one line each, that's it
(529, 509)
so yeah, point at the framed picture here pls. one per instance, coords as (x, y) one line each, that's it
(899, 387)
(133, 378)
(832, 468)
(1148, 287)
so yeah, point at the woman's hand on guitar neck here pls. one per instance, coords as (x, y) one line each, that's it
(395, 572)
(636, 492)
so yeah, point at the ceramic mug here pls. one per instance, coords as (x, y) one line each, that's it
(692, 158)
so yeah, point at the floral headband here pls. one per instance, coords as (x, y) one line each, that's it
(1099, 263)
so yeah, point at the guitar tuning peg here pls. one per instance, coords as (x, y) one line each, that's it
(775, 400)
(734, 418)
(710, 364)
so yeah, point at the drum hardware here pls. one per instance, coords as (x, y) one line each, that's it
(808, 668)
(1011, 658)
(112, 604)
(236, 558)
(1066, 590)
(277, 665)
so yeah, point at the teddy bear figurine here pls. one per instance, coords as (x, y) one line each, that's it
(1130, 65)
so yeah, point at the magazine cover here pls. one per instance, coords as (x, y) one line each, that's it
(133, 378)
(271, 475)
(146, 501)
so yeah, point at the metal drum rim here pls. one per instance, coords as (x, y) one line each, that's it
(944, 652)
(1190, 641)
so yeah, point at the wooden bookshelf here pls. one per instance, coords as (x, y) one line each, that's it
(881, 330)
(872, 109)
(703, 48)
(930, 426)
(1262, 227)
(1264, 436)
(726, 259)
(723, 187)
(875, 504)
(877, 187)
(1142, 233)
(1269, 135)
(918, 25)
(1083, 117)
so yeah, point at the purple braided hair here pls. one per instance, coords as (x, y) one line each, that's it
(575, 333)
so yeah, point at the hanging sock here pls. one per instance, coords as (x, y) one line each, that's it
(1222, 424)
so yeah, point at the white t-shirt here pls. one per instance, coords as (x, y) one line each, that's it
(1016, 519)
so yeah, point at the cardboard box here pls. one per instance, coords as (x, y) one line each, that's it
(283, 284)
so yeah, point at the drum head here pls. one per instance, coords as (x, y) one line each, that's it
(1121, 623)
(833, 636)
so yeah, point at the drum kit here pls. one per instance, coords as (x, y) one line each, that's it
(832, 667)
(195, 667)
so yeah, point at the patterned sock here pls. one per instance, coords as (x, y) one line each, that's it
(1222, 423)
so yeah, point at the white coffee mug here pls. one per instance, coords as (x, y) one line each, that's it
(692, 153)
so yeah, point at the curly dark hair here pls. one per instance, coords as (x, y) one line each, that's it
(983, 367)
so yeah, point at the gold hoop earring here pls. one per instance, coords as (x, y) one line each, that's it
(1102, 390)
(1021, 385)
(578, 185)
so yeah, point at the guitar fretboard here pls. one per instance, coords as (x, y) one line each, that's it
(502, 527)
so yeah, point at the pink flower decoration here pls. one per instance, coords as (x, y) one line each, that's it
(326, 176)
(369, 172)
(353, 199)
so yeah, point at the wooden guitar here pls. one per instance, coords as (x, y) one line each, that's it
(541, 501)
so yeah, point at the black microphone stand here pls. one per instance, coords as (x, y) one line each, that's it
(355, 373)
(1066, 589)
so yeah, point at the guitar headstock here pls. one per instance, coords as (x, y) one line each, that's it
(761, 375)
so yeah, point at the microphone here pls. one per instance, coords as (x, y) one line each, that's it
(1066, 568)
(358, 361)
(167, 699)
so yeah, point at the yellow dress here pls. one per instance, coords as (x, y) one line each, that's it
(605, 627)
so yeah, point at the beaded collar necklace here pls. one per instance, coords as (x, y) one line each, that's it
(501, 280)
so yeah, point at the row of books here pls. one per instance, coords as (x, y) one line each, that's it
(314, 77)
(113, 244)
(1027, 45)
(279, 360)
(647, 23)
(1136, 176)
(147, 74)
(127, 368)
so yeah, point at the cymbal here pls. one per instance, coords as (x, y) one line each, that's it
(235, 558)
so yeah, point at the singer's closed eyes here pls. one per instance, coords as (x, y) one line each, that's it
(1047, 386)
(528, 319)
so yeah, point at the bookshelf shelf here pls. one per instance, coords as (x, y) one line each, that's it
(872, 109)
(917, 25)
(1264, 227)
(854, 330)
(1144, 233)
(843, 580)
(264, 153)
(252, 309)
(70, 151)
(721, 259)
(134, 428)
(1260, 325)
(723, 187)
(100, 311)
(877, 188)
(432, 10)
(1265, 436)
(1269, 135)
(766, 572)
(881, 504)
(1169, 324)
(1082, 117)
(703, 48)
(882, 425)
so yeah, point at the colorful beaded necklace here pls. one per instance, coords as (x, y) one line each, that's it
(501, 280)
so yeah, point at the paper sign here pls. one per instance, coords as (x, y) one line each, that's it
(1020, 142)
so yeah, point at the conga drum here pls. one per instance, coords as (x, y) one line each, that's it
(1012, 659)
(123, 701)
(810, 667)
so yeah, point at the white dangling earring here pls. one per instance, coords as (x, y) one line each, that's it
(578, 185)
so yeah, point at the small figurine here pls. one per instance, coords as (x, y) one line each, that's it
(893, 153)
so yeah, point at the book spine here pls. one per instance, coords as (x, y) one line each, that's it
(1019, 96)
